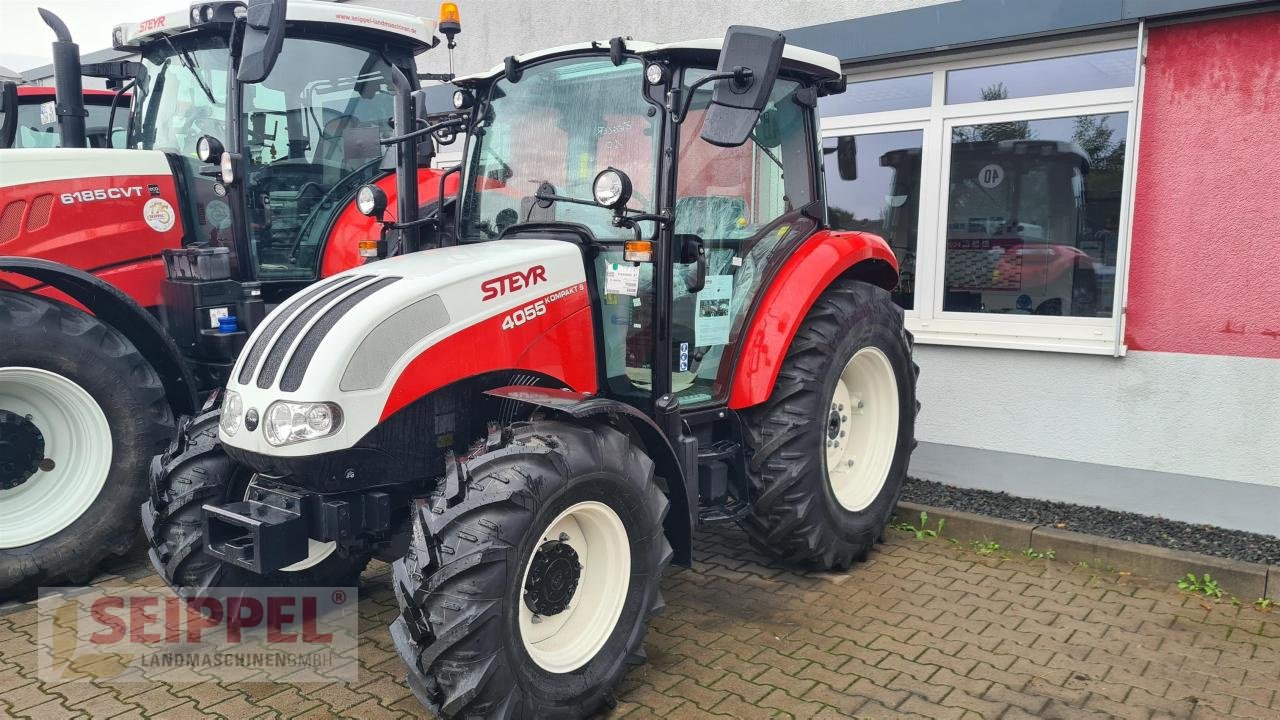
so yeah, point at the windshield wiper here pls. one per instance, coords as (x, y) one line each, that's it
(766, 151)
(190, 65)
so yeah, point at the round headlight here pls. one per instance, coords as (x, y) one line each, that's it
(228, 168)
(655, 74)
(279, 423)
(611, 188)
(461, 99)
(320, 419)
(371, 200)
(208, 149)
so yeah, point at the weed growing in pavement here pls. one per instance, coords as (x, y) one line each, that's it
(985, 547)
(1033, 554)
(1205, 586)
(1264, 604)
(923, 532)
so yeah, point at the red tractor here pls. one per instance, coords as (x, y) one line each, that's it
(132, 277)
(35, 123)
(482, 415)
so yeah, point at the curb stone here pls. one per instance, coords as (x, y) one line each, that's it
(1247, 581)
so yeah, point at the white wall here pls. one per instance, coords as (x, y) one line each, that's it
(1200, 415)
(494, 29)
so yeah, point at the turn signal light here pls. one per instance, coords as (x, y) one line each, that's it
(637, 251)
(368, 248)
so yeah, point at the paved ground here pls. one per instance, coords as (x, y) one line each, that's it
(924, 629)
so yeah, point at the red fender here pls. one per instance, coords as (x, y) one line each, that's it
(824, 256)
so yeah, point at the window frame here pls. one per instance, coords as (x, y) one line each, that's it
(927, 320)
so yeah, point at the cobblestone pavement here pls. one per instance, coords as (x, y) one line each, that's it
(924, 629)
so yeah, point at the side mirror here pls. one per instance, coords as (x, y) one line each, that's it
(8, 113)
(749, 63)
(263, 39)
(846, 150)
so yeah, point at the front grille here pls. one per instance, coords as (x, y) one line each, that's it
(269, 332)
(297, 367)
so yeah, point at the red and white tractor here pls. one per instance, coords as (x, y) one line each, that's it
(131, 277)
(482, 413)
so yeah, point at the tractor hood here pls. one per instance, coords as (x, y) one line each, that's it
(373, 340)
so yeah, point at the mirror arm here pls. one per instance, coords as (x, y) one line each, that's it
(442, 125)
(689, 92)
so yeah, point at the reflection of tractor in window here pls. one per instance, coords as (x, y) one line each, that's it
(1015, 220)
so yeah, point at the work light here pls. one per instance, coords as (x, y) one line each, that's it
(208, 149)
(611, 188)
(371, 200)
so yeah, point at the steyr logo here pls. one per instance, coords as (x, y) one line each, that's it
(511, 282)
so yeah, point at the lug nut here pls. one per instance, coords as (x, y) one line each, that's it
(564, 537)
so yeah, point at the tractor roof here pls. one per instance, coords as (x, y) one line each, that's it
(406, 28)
(706, 50)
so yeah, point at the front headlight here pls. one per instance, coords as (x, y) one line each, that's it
(232, 411)
(291, 422)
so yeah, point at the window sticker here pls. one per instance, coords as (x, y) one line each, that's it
(990, 176)
(711, 326)
(622, 279)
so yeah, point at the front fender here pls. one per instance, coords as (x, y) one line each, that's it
(682, 494)
(823, 257)
(121, 312)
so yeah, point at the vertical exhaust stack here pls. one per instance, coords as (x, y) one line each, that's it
(68, 87)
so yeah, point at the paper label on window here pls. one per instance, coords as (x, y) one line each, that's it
(736, 261)
(711, 326)
(684, 357)
(48, 113)
(215, 314)
(622, 279)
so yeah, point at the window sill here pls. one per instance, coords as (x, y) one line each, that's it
(1090, 339)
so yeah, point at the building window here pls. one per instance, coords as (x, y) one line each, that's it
(1004, 196)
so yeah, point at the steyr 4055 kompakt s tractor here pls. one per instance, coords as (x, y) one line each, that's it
(642, 325)
(251, 128)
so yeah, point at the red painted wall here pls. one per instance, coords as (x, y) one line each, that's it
(1205, 271)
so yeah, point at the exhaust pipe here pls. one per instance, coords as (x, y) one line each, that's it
(68, 87)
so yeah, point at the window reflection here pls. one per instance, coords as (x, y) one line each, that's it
(1075, 73)
(1033, 213)
(900, 93)
(873, 184)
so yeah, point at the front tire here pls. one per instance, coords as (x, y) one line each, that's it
(830, 447)
(499, 544)
(81, 414)
(196, 470)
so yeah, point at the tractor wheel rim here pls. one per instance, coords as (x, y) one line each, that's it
(591, 598)
(317, 550)
(862, 429)
(77, 455)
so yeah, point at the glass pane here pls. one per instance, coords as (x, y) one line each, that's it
(311, 138)
(739, 201)
(873, 184)
(900, 93)
(1033, 213)
(1076, 73)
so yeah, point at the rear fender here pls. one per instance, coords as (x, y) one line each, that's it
(118, 310)
(820, 260)
(682, 494)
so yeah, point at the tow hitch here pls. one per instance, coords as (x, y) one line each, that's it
(270, 530)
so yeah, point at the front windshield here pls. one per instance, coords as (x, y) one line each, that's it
(561, 124)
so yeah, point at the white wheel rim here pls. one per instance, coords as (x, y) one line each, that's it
(861, 433)
(568, 640)
(317, 550)
(77, 439)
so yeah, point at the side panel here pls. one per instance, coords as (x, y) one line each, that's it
(342, 251)
(559, 343)
(823, 257)
(101, 211)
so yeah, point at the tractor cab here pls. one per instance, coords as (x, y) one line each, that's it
(694, 223)
(301, 136)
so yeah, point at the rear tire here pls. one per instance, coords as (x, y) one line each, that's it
(825, 487)
(467, 587)
(196, 470)
(98, 413)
